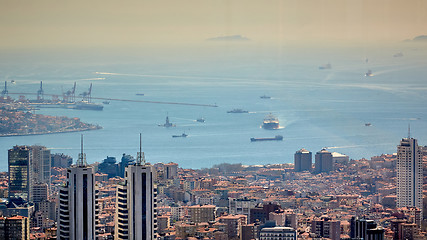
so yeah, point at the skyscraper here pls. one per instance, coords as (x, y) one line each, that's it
(302, 160)
(41, 164)
(409, 174)
(20, 173)
(77, 216)
(323, 161)
(135, 216)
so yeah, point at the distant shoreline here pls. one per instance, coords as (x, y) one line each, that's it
(55, 132)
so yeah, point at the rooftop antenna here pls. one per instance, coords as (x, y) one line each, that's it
(409, 130)
(140, 156)
(81, 162)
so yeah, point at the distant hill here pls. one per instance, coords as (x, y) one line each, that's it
(229, 38)
(421, 38)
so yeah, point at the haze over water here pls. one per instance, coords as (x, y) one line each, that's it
(317, 108)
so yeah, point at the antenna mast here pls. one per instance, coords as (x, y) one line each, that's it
(81, 162)
(409, 130)
(140, 156)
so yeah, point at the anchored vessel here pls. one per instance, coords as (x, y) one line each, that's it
(270, 122)
(325, 66)
(167, 123)
(276, 138)
(84, 105)
(237, 110)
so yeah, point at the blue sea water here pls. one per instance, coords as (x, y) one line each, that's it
(317, 108)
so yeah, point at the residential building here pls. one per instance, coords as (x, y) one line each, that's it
(323, 161)
(302, 160)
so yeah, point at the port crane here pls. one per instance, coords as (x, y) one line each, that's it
(70, 95)
(5, 92)
(40, 92)
(87, 96)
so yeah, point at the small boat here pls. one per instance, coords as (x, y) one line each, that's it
(106, 102)
(237, 110)
(368, 124)
(139, 94)
(12, 81)
(201, 120)
(399, 54)
(182, 135)
(369, 73)
(265, 97)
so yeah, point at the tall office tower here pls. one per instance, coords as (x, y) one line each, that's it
(409, 174)
(323, 161)
(302, 160)
(41, 164)
(135, 215)
(20, 174)
(171, 170)
(77, 216)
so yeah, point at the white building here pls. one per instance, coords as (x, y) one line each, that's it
(78, 212)
(136, 203)
(278, 233)
(409, 174)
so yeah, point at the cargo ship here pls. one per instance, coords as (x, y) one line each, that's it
(84, 105)
(276, 138)
(237, 110)
(270, 122)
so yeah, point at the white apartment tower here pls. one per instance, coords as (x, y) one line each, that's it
(78, 210)
(136, 203)
(409, 174)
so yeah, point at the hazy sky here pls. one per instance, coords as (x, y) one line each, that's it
(61, 23)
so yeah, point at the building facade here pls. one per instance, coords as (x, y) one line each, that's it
(302, 160)
(14, 228)
(135, 205)
(409, 174)
(78, 211)
(278, 233)
(20, 173)
(323, 161)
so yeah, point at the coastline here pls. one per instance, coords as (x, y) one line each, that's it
(53, 132)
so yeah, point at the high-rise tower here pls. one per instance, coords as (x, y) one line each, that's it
(41, 164)
(302, 160)
(323, 161)
(77, 216)
(20, 172)
(135, 216)
(409, 174)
